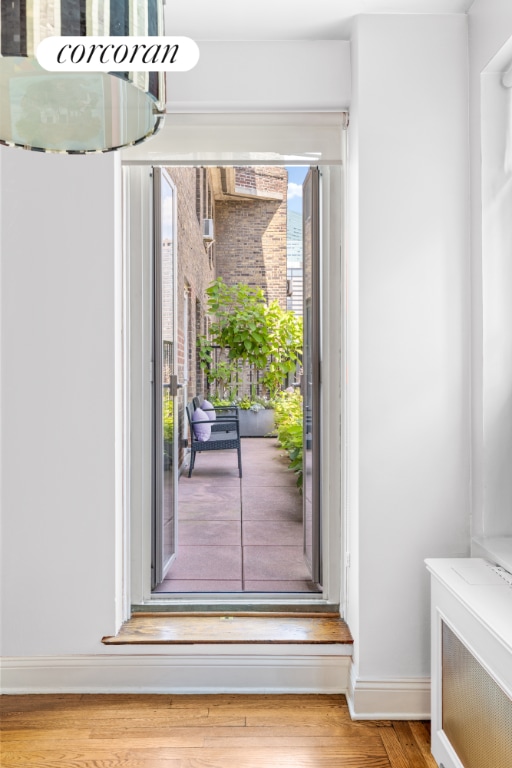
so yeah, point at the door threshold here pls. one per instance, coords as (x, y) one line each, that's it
(221, 628)
(256, 606)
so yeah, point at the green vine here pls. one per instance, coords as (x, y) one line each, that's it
(262, 335)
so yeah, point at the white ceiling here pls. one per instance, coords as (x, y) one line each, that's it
(285, 19)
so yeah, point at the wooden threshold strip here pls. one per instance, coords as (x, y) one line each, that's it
(191, 629)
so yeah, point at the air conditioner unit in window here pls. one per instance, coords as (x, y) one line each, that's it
(208, 230)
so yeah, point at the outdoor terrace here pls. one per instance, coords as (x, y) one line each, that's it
(240, 535)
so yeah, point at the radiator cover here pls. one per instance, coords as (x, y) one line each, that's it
(471, 656)
(477, 714)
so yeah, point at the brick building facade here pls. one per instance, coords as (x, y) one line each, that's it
(250, 227)
(195, 272)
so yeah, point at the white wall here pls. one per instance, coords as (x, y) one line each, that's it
(410, 256)
(286, 76)
(61, 498)
(490, 25)
(60, 278)
(60, 321)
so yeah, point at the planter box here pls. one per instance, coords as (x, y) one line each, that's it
(256, 423)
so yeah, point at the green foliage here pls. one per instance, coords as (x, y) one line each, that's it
(288, 420)
(240, 322)
(168, 419)
(260, 334)
(220, 401)
(255, 403)
(285, 340)
(224, 374)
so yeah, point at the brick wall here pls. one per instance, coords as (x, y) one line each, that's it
(195, 274)
(250, 231)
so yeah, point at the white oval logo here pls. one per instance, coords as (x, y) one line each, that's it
(117, 54)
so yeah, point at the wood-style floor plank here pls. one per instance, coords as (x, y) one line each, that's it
(217, 731)
(409, 745)
(172, 629)
(396, 755)
(422, 736)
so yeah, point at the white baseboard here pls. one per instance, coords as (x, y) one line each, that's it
(178, 672)
(398, 699)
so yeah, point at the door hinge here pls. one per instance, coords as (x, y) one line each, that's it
(151, 372)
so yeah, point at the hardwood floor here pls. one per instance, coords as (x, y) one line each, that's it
(217, 731)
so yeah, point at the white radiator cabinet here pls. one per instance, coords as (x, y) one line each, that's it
(474, 607)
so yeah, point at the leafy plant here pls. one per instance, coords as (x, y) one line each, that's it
(260, 334)
(255, 403)
(289, 421)
(168, 419)
(224, 373)
(240, 323)
(219, 401)
(285, 340)
(168, 430)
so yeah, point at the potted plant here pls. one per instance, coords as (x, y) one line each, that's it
(257, 417)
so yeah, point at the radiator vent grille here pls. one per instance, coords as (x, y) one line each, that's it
(477, 714)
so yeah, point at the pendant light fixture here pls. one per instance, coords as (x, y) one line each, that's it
(76, 112)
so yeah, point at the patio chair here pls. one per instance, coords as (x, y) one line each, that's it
(225, 436)
(222, 414)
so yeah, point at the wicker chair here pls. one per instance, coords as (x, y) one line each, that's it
(225, 435)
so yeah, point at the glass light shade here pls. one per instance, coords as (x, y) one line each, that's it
(76, 112)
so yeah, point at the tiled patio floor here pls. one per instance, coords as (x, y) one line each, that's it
(240, 535)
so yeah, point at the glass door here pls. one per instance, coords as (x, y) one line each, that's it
(311, 374)
(165, 421)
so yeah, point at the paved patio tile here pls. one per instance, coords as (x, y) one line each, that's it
(214, 465)
(207, 562)
(199, 585)
(227, 476)
(211, 505)
(272, 533)
(274, 564)
(208, 532)
(199, 490)
(301, 585)
(271, 503)
(214, 509)
(266, 444)
(266, 479)
(269, 455)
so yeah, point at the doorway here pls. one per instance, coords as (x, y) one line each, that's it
(182, 147)
(226, 537)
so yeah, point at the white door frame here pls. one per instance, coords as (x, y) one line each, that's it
(332, 278)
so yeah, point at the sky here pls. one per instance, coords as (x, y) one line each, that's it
(296, 175)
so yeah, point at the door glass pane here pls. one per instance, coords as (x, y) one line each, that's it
(310, 379)
(169, 538)
(164, 424)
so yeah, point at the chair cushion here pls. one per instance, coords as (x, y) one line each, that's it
(208, 408)
(201, 431)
